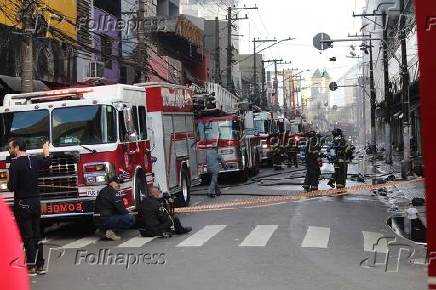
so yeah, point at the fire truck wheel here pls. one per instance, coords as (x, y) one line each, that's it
(184, 196)
(141, 189)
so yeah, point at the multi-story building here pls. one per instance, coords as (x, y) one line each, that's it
(395, 109)
(54, 44)
(251, 88)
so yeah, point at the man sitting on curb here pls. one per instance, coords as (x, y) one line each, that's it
(154, 218)
(110, 212)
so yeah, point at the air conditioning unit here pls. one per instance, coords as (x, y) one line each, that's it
(96, 69)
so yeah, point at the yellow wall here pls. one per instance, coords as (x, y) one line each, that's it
(68, 8)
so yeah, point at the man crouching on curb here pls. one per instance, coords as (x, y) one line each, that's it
(155, 219)
(110, 212)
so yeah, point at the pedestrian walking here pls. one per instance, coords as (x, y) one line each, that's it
(215, 163)
(23, 181)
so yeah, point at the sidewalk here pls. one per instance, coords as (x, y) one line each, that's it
(400, 196)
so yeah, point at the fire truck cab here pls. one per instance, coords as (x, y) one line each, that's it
(226, 133)
(94, 133)
(170, 120)
(266, 125)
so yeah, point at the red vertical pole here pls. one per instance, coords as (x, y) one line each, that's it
(426, 25)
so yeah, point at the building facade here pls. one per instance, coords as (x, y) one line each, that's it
(394, 111)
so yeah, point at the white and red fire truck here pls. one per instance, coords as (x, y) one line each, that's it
(222, 128)
(170, 121)
(266, 126)
(94, 133)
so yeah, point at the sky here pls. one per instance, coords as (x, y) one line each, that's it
(302, 20)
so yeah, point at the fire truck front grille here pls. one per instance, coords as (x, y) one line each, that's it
(60, 180)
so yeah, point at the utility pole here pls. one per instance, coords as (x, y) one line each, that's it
(264, 102)
(217, 52)
(285, 106)
(229, 50)
(388, 98)
(142, 49)
(230, 20)
(406, 162)
(372, 99)
(276, 86)
(255, 41)
(275, 80)
(27, 47)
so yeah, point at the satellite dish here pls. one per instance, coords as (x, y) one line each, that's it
(321, 41)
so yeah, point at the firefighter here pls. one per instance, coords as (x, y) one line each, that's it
(340, 154)
(276, 154)
(292, 152)
(313, 162)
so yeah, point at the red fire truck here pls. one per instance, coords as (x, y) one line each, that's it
(94, 133)
(265, 124)
(170, 121)
(239, 150)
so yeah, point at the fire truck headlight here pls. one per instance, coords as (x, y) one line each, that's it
(3, 174)
(100, 179)
(227, 151)
(3, 186)
(264, 146)
(97, 173)
(3, 180)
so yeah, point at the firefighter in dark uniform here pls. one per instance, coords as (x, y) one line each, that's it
(276, 154)
(341, 154)
(313, 162)
(292, 152)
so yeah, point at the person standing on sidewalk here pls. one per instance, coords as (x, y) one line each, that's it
(23, 181)
(214, 162)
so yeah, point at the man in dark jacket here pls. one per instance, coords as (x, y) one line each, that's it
(155, 219)
(23, 181)
(110, 212)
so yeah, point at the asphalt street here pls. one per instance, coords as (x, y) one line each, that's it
(309, 244)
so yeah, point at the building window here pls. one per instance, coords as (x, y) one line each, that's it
(106, 51)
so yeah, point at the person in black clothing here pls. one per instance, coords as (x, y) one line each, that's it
(110, 212)
(155, 219)
(313, 162)
(23, 181)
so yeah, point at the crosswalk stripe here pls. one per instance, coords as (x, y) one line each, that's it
(316, 237)
(259, 236)
(202, 236)
(136, 242)
(83, 242)
(373, 242)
